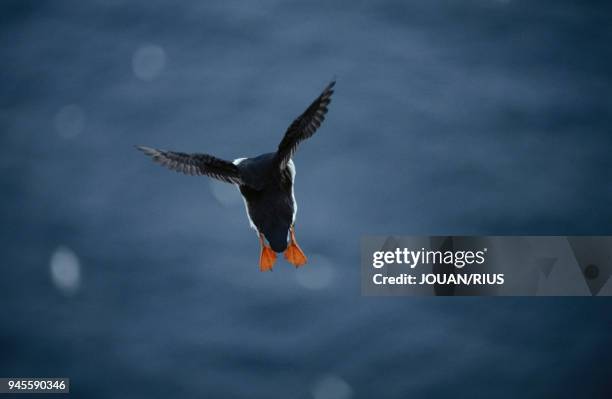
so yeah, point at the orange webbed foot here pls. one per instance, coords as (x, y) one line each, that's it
(267, 257)
(293, 253)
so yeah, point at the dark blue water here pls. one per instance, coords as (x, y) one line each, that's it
(471, 117)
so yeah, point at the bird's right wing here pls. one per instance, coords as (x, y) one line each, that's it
(304, 126)
(195, 164)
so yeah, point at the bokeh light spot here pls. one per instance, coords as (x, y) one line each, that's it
(331, 387)
(317, 274)
(70, 121)
(65, 270)
(148, 62)
(226, 194)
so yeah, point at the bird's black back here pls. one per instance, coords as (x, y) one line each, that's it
(267, 191)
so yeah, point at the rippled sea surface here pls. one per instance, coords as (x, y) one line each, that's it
(464, 117)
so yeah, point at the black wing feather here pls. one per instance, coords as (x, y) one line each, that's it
(304, 126)
(195, 164)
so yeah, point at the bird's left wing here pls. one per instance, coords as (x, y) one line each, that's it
(304, 126)
(195, 164)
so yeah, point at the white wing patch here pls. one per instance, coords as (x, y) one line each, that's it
(246, 207)
(292, 171)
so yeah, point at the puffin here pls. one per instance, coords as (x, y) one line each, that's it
(265, 182)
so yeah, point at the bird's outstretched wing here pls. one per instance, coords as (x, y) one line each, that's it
(304, 126)
(195, 164)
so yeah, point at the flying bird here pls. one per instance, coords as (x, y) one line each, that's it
(265, 182)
